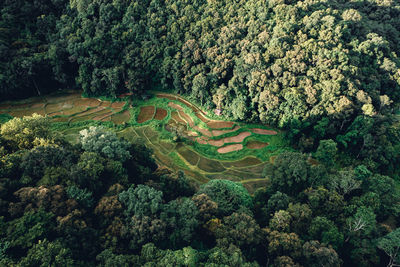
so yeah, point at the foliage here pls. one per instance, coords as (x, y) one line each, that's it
(141, 201)
(152, 256)
(290, 173)
(231, 256)
(325, 230)
(181, 218)
(88, 171)
(38, 160)
(241, 230)
(317, 255)
(344, 182)
(46, 253)
(363, 222)
(106, 143)
(82, 196)
(33, 62)
(27, 132)
(390, 245)
(278, 201)
(64, 204)
(326, 152)
(228, 195)
(30, 228)
(108, 259)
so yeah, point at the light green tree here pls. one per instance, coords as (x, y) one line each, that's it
(28, 132)
(106, 143)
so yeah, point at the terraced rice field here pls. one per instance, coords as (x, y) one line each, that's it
(206, 148)
(210, 149)
(70, 107)
(180, 156)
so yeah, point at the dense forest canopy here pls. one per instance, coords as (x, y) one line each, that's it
(325, 72)
(273, 60)
(101, 203)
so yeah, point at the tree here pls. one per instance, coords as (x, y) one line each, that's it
(241, 230)
(175, 185)
(285, 261)
(387, 191)
(317, 254)
(151, 256)
(27, 132)
(206, 207)
(301, 216)
(231, 256)
(108, 259)
(362, 223)
(390, 244)
(228, 195)
(199, 88)
(324, 202)
(38, 161)
(108, 208)
(141, 201)
(181, 218)
(284, 244)
(260, 206)
(82, 196)
(344, 182)
(26, 231)
(325, 230)
(290, 173)
(89, 171)
(326, 152)
(278, 201)
(106, 143)
(144, 229)
(280, 221)
(51, 199)
(46, 253)
(30, 63)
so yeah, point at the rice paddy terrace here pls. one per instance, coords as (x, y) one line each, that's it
(182, 136)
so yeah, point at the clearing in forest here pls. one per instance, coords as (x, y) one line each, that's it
(181, 135)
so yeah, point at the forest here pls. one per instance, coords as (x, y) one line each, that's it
(326, 73)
